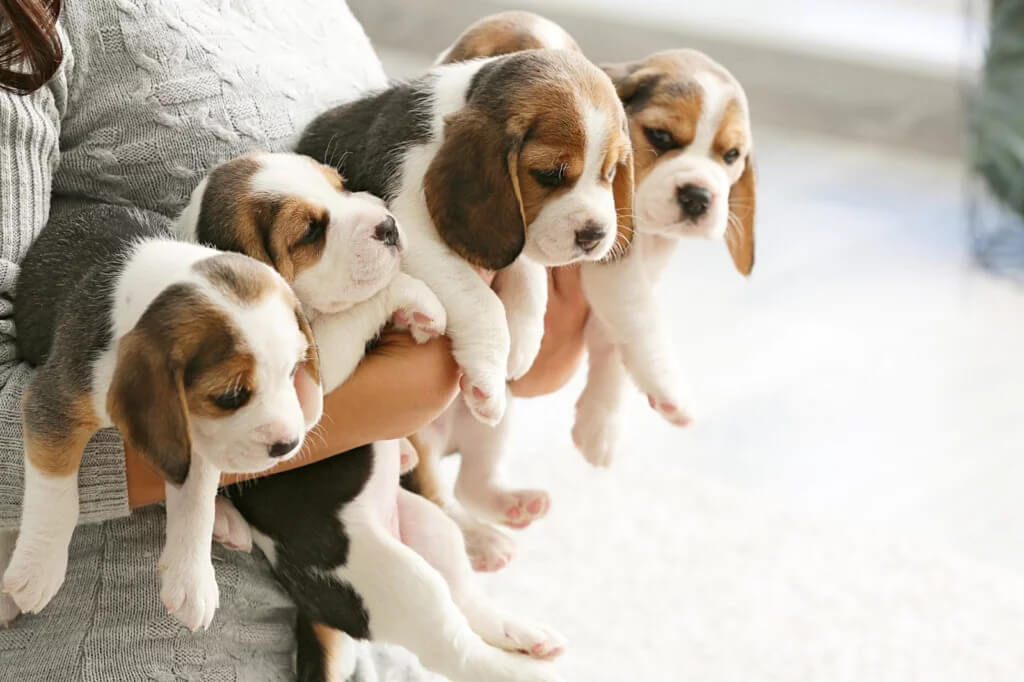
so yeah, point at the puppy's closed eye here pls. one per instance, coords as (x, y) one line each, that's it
(316, 230)
(551, 178)
(233, 399)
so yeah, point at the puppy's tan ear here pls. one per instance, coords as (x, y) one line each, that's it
(472, 190)
(620, 75)
(308, 384)
(739, 235)
(148, 405)
(622, 190)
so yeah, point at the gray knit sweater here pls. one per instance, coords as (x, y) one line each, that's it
(151, 95)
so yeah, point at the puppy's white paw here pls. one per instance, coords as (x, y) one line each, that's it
(485, 398)
(419, 310)
(536, 641)
(190, 593)
(525, 344)
(487, 547)
(229, 527)
(514, 508)
(8, 610)
(674, 410)
(596, 435)
(409, 457)
(35, 573)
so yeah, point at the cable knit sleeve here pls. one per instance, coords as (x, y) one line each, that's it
(29, 154)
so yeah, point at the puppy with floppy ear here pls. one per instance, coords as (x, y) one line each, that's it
(193, 354)
(690, 123)
(360, 556)
(339, 250)
(451, 156)
(673, 99)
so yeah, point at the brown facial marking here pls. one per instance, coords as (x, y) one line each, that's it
(183, 350)
(57, 427)
(237, 276)
(732, 131)
(270, 229)
(523, 116)
(504, 33)
(332, 175)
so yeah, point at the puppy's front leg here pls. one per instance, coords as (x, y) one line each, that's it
(523, 289)
(189, 589)
(476, 324)
(343, 337)
(58, 424)
(622, 297)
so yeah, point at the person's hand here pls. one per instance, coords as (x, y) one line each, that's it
(397, 389)
(562, 347)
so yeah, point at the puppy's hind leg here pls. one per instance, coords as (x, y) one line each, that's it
(57, 427)
(409, 604)
(436, 538)
(478, 487)
(596, 431)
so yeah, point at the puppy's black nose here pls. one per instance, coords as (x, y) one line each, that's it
(386, 231)
(694, 199)
(589, 237)
(283, 448)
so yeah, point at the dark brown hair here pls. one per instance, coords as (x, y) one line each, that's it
(30, 49)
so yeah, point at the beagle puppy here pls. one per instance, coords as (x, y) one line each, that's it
(505, 33)
(690, 124)
(202, 359)
(690, 129)
(360, 557)
(507, 164)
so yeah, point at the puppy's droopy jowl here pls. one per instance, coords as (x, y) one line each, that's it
(203, 360)
(484, 162)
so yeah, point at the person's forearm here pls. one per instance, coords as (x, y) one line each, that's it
(396, 390)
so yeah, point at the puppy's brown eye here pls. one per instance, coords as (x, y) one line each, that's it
(554, 177)
(661, 139)
(315, 231)
(233, 399)
(731, 155)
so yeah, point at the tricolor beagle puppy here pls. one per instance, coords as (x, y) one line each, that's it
(202, 359)
(690, 129)
(690, 123)
(361, 557)
(508, 164)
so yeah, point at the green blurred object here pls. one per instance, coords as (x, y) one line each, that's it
(996, 143)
